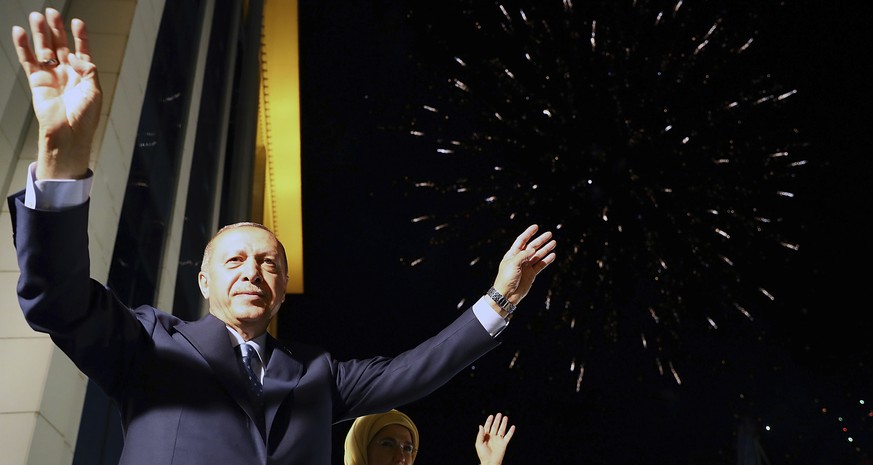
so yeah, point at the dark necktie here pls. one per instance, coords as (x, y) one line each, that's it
(253, 379)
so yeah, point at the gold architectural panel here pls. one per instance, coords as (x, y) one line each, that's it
(279, 133)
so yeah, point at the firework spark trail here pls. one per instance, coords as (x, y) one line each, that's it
(643, 133)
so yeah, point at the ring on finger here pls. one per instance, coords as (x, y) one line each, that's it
(49, 62)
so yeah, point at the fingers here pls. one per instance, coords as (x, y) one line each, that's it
(538, 252)
(542, 253)
(539, 241)
(488, 424)
(521, 241)
(544, 262)
(539, 248)
(499, 424)
(58, 34)
(80, 39)
(23, 50)
(524, 242)
(42, 38)
(50, 44)
(81, 59)
(509, 433)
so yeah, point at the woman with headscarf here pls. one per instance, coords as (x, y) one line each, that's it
(382, 439)
(392, 438)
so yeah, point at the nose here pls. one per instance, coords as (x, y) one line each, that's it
(251, 271)
(399, 456)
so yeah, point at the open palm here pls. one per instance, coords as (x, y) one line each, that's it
(65, 89)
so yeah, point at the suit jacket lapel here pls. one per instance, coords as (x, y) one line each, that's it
(282, 376)
(209, 336)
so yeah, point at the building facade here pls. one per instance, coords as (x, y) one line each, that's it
(173, 157)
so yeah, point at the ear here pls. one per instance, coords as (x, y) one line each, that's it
(203, 281)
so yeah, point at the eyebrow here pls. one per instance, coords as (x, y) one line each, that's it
(394, 438)
(243, 251)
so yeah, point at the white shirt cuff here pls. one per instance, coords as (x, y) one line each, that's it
(55, 194)
(491, 320)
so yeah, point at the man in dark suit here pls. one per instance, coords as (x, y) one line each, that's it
(185, 396)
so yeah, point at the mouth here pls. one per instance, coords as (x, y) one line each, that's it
(250, 293)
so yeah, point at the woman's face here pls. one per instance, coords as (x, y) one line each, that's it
(391, 445)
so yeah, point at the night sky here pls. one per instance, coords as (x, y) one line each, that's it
(712, 384)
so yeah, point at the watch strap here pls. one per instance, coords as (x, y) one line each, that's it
(501, 301)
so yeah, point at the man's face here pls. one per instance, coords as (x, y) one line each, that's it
(244, 280)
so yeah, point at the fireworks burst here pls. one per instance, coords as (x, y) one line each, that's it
(647, 135)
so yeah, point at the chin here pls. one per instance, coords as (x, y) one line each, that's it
(251, 314)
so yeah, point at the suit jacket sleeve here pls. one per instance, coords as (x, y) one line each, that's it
(58, 297)
(381, 383)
